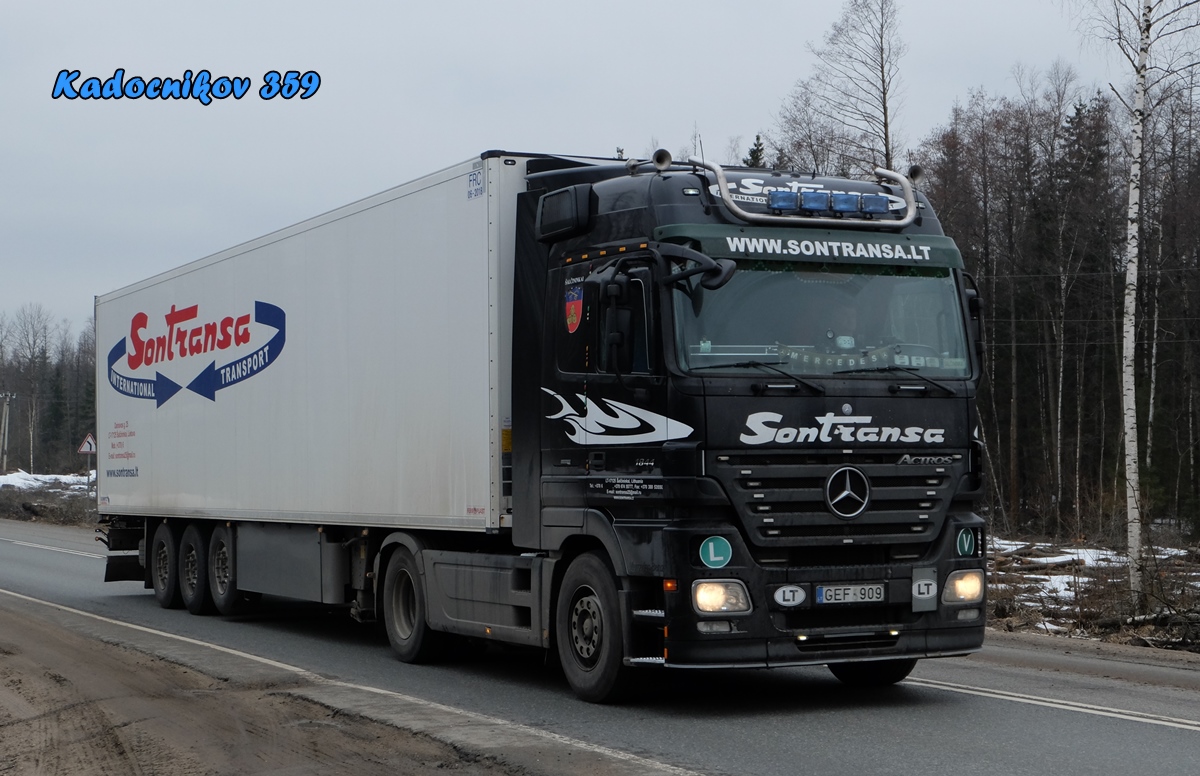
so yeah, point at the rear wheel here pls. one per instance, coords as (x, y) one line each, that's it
(588, 631)
(876, 673)
(163, 560)
(412, 639)
(222, 576)
(193, 570)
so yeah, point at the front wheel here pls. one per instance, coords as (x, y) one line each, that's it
(588, 631)
(876, 673)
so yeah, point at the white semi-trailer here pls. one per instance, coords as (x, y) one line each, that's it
(642, 413)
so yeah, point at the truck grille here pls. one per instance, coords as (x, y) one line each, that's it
(780, 496)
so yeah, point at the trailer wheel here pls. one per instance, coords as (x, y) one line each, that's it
(222, 576)
(193, 570)
(588, 631)
(876, 673)
(163, 560)
(412, 639)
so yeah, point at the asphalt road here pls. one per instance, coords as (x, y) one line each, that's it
(1024, 705)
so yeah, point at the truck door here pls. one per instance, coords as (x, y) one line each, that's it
(607, 408)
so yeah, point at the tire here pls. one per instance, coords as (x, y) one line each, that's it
(876, 673)
(404, 604)
(193, 570)
(222, 572)
(163, 563)
(588, 631)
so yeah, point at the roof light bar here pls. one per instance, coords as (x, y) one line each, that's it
(868, 204)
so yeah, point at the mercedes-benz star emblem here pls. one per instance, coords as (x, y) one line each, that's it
(847, 492)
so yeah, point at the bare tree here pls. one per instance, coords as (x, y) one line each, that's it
(855, 88)
(1156, 38)
(32, 334)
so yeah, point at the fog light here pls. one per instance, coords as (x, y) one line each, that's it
(968, 614)
(964, 587)
(714, 626)
(727, 595)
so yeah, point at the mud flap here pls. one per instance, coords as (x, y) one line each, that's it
(124, 568)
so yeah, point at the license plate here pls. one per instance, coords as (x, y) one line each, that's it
(850, 594)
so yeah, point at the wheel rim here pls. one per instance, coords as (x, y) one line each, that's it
(221, 572)
(404, 606)
(162, 560)
(189, 570)
(587, 627)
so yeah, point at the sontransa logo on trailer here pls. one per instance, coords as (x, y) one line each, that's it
(187, 335)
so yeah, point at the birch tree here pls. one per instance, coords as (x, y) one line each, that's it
(1155, 37)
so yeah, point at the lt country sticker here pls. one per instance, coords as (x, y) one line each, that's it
(183, 341)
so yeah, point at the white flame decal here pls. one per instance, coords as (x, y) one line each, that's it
(607, 422)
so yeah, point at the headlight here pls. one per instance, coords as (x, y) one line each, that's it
(964, 587)
(728, 595)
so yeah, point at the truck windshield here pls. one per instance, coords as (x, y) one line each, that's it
(822, 320)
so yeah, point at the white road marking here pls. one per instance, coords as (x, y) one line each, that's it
(651, 766)
(52, 549)
(1082, 708)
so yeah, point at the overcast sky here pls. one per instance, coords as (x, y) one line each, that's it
(97, 194)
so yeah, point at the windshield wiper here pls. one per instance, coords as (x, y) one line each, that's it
(770, 366)
(894, 368)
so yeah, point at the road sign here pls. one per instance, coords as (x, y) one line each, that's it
(89, 445)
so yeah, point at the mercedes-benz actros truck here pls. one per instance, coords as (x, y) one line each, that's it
(646, 414)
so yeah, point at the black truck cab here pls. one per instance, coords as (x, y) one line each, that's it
(755, 399)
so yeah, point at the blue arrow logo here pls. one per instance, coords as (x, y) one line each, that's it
(214, 377)
(159, 389)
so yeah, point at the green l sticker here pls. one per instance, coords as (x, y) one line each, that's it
(715, 552)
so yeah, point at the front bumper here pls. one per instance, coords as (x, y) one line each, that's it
(911, 622)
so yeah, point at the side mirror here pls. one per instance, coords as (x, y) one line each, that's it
(716, 272)
(719, 276)
(975, 318)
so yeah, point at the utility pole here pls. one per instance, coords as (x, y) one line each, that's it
(4, 431)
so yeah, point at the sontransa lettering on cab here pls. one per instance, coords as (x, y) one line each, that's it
(763, 430)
